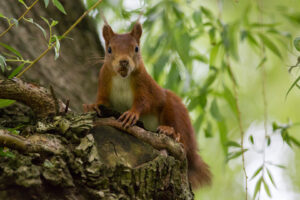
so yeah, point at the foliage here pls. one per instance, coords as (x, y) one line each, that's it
(181, 37)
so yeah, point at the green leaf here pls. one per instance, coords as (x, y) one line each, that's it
(57, 47)
(223, 135)
(6, 102)
(2, 16)
(292, 86)
(159, 66)
(257, 172)
(207, 13)
(267, 188)
(214, 110)
(208, 130)
(197, 17)
(257, 187)
(295, 141)
(271, 178)
(233, 144)
(198, 122)
(228, 96)
(270, 44)
(46, 3)
(275, 126)
(11, 49)
(213, 54)
(261, 62)
(37, 25)
(201, 58)
(195, 101)
(22, 2)
(268, 140)
(2, 63)
(46, 20)
(16, 71)
(297, 43)
(6, 153)
(53, 23)
(59, 6)
(235, 154)
(251, 139)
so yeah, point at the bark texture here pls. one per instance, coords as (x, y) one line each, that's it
(80, 156)
(72, 75)
(67, 157)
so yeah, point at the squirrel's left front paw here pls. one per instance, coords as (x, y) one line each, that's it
(91, 107)
(169, 131)
(129, 118)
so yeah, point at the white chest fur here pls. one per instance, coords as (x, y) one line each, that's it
(121, 94)
(121, 99)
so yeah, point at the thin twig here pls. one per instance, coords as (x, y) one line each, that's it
(236, 99)
(242, 132)
(20, 18)
(63, 36)
(263, 74)
(55, 100)
(67, 106)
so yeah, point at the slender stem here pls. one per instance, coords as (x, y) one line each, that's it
(63, 36)
(20, 18)
(16, 60)
(239, 115)
(263, 74)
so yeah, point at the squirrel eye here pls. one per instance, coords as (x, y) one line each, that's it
(109, 50)
(136, 49)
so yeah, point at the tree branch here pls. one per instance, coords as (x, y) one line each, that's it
(158, 141)
(38, 143)
(37, 98)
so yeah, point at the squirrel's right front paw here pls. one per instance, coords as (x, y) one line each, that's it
(92, 107)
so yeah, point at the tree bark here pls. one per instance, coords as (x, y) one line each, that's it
(80, 156)
(72, 75)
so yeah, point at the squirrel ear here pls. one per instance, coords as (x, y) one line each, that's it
(137, 31)
(107, 33)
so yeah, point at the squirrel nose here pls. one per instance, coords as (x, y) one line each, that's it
(124, 63)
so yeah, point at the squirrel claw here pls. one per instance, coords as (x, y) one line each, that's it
(169, 131)
(128, 119)
(92, 107)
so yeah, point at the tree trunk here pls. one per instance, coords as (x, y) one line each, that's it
(60, 155)
(72, 75)
(80, 156)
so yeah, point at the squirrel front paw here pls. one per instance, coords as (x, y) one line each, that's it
(129, 118)
(169, 131)
(92, 107)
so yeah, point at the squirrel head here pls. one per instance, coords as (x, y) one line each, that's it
(123, 50)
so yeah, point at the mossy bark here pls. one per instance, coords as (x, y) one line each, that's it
(89, 162)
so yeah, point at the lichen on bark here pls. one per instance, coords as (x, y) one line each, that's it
(92, 162)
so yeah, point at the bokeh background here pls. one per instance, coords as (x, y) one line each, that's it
(187, 47)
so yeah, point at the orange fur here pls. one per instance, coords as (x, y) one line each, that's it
(148, 98)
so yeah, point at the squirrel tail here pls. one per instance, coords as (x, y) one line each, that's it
(198, 171)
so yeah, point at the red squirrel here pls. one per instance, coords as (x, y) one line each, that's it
(124, 85)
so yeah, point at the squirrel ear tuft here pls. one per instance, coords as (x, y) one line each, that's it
(137, 31)
(108, 33)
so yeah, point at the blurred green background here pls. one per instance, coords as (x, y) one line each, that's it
(199, 49)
